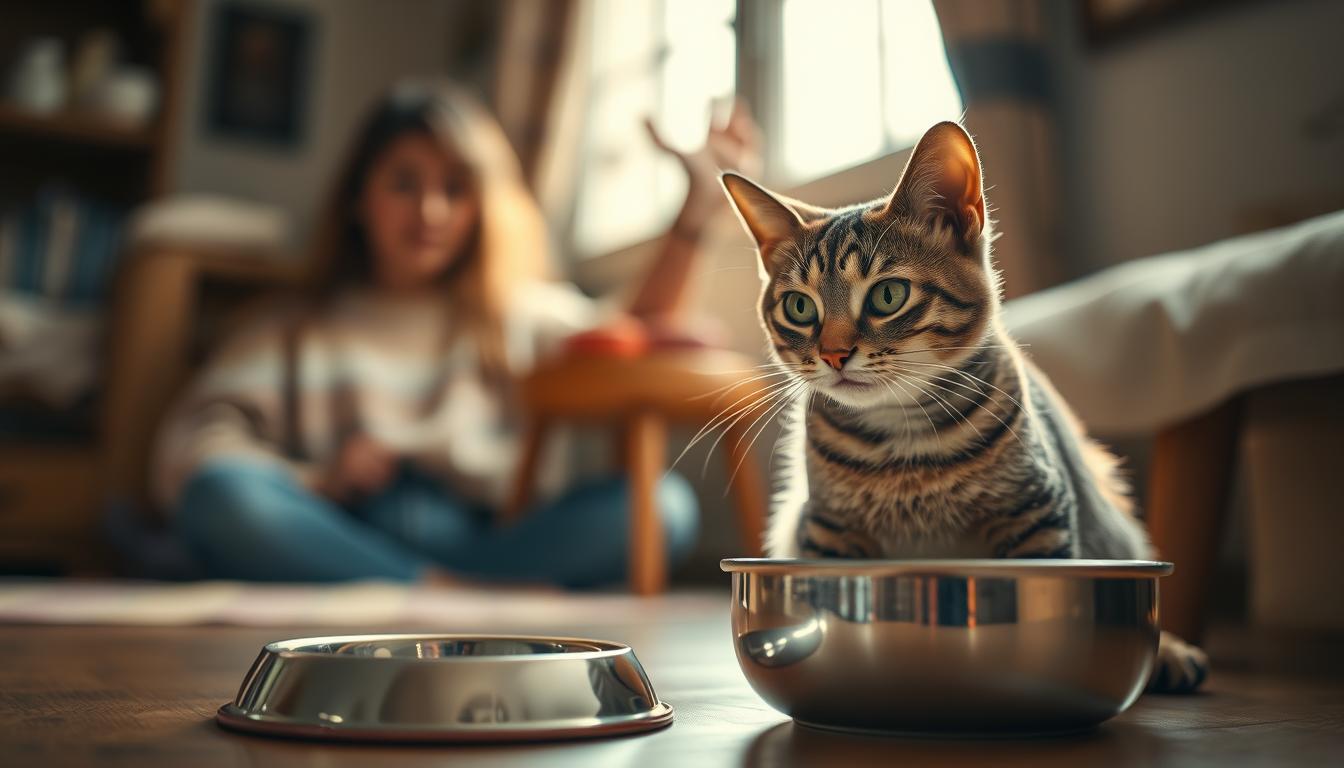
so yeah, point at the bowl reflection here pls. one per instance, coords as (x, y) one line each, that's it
(989, 647)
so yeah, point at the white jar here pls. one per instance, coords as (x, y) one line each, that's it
(129, 94)
(38, 80)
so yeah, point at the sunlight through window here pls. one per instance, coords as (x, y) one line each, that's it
(860, 79)
(667, 60)
(851, 81)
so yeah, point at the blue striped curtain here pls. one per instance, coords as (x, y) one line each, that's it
(996, 49)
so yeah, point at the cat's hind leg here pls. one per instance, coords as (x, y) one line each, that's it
(1180, 668)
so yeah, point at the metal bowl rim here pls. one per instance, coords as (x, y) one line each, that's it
(659, 715)
(299, 648)
(1065, 568)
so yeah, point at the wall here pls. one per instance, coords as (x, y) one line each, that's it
(1197, 129)
(1189, 132)
(358, 49)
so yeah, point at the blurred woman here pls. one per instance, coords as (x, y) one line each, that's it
(372, 431)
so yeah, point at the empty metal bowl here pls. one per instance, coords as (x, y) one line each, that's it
(991, 647)
(445, 688)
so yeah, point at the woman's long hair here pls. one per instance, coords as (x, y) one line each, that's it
(508, 246)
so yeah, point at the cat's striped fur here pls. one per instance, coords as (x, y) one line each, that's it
(922, 431)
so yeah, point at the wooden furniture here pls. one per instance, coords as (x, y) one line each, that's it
(168, 307)
(101, 156)
(640, 396)
(1188, 493)
(171, 304)
(49, 492)
(48, 495)
(1283, 438)
(146, 696)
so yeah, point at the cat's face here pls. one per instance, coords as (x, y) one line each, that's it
(874, 303)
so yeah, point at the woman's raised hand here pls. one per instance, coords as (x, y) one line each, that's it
(734, 144)
(731, 145)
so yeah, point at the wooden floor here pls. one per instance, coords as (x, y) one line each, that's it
(146, 696)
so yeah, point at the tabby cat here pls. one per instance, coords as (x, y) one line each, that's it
(924, 433)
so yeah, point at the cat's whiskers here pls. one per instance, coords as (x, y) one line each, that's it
(733, 409)
(978, 406)
(760, 367)
(900, 353)
(909, 436)
(762, 414)
(932, 428)
(946, 406)
(778, 408)
(765, 404)
(968, 376)
(936, 377)
(904, 420)
(956, 370)
(722, 391)
(954, 414)
(990, 411)
(743, 404)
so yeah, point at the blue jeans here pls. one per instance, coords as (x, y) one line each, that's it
(253, 521)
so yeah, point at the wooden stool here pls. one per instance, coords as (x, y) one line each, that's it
(642, 395)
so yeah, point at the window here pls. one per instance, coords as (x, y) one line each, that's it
(834, 84)
(862, 78)
(669, 60)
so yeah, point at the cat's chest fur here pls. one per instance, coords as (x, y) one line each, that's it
(901, 512)
(877, 488)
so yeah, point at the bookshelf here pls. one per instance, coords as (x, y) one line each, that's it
(94, 155)
(51, 489)
(74, 127)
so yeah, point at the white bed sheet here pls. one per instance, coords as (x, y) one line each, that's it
(1152, 342)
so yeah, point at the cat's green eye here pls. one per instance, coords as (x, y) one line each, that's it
(888, 296)
(800, 308)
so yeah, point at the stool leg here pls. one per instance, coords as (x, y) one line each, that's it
(1188, 491)
(525, 481)
(645, 447)
(748, 487)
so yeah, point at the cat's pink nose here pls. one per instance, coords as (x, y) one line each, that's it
(837, 359)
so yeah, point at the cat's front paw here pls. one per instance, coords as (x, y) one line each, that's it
(1181, 667)
(821, 536)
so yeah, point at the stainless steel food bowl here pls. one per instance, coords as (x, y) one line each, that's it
(445, 688)
(956, 646)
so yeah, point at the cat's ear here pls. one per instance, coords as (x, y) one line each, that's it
(942, 183)
(766, 216)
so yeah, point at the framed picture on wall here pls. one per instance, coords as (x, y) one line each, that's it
(258, 72)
